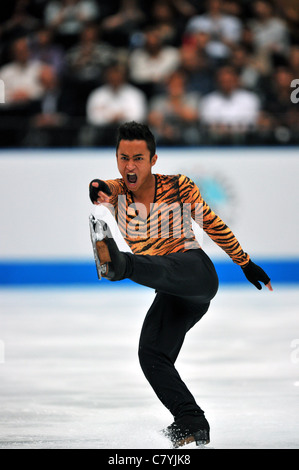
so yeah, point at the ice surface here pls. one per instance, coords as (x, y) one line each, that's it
(70, 377)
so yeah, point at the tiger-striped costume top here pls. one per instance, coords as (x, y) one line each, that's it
(168, 227)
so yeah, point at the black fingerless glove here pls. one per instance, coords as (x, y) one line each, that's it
(254, 274)
(93, 191)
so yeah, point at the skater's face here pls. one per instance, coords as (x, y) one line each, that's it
(135, 163)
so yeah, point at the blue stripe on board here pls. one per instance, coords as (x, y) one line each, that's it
(25, 273)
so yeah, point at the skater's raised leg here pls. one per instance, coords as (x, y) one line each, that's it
(187, 274)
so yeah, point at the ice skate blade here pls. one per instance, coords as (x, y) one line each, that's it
(100, 249)
(200, 438)
(97, 228)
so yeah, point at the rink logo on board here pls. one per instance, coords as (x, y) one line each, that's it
(2, 92)
(295, 93)
(218, 190)
(1, 352)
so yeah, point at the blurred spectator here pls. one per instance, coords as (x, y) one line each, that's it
(270, 33)
(111, 104)
(262, 60)
(119, 28)
(247, 67)
(186, 8)
(284, 115)
(198, 69)
(44, 50)
(20, 23)
(294, 60)
(169, 22)
(89, 57)
(233, 8)
(290, 10)
(223, 30)
(21, 75)
(230, 113)
(22, 89)
(200, 41)
(153, 63)
(66, 18)
(174, 51)
(173, 115)
(48, 127)
(85, 64)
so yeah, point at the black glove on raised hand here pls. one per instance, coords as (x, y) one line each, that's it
(93, 191)
(254, 274)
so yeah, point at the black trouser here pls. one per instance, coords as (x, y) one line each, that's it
(185, 283)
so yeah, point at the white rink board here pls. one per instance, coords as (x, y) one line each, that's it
(44, 201)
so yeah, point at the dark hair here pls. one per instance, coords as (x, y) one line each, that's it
(136, 131)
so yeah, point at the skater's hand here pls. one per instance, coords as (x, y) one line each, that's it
(99, 192)
(254, 273)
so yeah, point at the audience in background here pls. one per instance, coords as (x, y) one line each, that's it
(289, 11)
(294, 60)
(21, 75)
(22, 89)
(270, 33)
(173, 115)
(168, 21)
(247, 66)
(66, 18)
(230, 113)
(198, 69)
(152, 63)
(88, 58)
(277, 104)
(44, 50)
(110, 105)
(211, 72)
(222, 29)
(49, 125)
(120, 27)
(85, 64)
(18, 22)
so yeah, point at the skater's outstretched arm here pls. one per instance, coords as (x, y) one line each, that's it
(222, 235)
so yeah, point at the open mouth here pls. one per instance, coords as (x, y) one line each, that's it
(132, 178)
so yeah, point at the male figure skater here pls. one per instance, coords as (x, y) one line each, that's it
(167, 258)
